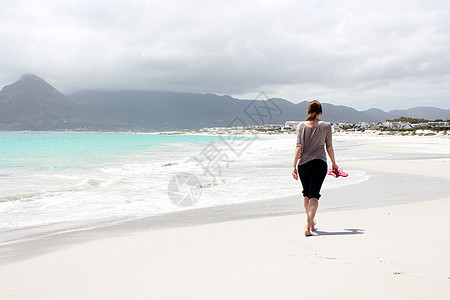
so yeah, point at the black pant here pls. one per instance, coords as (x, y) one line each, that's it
(312, 175)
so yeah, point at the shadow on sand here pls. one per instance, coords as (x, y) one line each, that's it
(345, 232)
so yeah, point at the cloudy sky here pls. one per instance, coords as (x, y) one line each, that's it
(384, 54)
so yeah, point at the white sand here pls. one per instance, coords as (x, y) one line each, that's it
(402, 252)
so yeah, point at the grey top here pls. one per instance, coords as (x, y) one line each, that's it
(312, 140)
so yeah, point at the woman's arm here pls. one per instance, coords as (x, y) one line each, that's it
(330, 152)
(298, 151)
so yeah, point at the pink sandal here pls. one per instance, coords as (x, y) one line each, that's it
(337, 173)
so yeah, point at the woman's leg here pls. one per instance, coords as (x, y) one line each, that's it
(313, 205)
(316, 178)
(308, 227)
(306, 203)
(305, 179)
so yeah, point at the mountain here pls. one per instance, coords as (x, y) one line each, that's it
(377, 115)
(32, 104)
(424, 112)
(161, 110)
(170, 110)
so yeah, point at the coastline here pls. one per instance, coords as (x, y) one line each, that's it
(409, 158)
(245, 132)
(370, 235)
(33, 243)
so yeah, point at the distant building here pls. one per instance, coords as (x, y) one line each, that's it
(439, 125)
(336, 128)
(291, 125)
(362, 126)
(395, 125)
(404, 125)
(419, 125)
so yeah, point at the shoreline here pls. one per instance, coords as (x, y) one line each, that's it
(263, 133)
(371, 243)
(395, 173)
(332, 200)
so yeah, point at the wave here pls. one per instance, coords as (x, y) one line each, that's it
(138, 185)
(21, 196)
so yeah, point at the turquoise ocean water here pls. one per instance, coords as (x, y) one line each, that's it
(59, 151)
(58, 178)
(54, 177)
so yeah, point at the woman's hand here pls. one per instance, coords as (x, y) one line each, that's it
(335, 166)
(331, 155)
(294, 174)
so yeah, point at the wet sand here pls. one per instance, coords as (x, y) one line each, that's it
(385, 238)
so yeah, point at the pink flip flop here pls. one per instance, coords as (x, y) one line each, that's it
(337, 173)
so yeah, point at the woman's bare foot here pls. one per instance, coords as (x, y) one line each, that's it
(313, 227)
(308, 230)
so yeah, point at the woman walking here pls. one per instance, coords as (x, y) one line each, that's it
(311, 160)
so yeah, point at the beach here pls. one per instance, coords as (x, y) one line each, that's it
(384, 236)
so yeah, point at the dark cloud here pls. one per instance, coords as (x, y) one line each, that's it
(386, 54)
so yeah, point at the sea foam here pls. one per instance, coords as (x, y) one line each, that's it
(132, 181)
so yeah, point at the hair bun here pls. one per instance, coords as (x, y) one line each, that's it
(314, 109)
